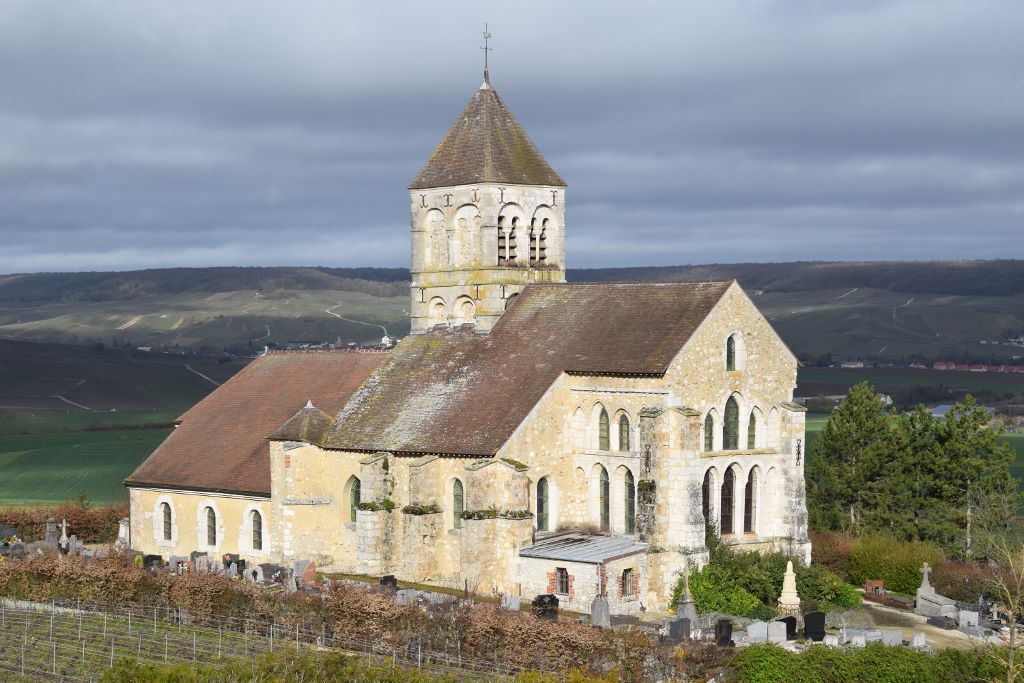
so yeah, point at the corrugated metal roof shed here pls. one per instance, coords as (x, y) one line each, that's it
(584, 548)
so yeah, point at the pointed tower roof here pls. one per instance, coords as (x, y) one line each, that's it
(486, 145)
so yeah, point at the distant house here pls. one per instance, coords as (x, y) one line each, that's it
(943, 409)
(943, 365)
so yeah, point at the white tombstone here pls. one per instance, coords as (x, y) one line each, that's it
(757, 632)
(776, 632)
(872, 636)
(892, 638)
(510, 602)
(917, 640)
(968, 618)
(858, 641)
(831, 640)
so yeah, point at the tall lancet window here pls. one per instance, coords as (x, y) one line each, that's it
(512, 239)
(502, 241)
(542, 504)
(731, 427)
(629, 499)
(542, 246)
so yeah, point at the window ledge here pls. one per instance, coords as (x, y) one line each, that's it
(740, 451)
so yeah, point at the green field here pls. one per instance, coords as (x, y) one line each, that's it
(53, 466)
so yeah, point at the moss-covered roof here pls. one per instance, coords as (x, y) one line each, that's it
(460, 393)
(486, 144)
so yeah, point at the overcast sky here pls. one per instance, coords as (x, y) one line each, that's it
(138, 134)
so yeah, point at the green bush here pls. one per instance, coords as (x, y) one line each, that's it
(876, 663)
(898, 563)
(748, 584)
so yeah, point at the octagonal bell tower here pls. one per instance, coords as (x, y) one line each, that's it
(487, 218)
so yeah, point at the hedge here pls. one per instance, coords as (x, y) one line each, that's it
(898, 563)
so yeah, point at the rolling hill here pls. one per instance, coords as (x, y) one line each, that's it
(873, 311)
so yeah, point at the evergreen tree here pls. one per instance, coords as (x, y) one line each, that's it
(913, 476)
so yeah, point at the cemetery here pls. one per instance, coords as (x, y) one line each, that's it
(296, 607)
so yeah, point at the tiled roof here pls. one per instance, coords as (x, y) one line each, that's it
(309, 425)
(584, 548)
(221, 444)
(460, 393)
(486, 145)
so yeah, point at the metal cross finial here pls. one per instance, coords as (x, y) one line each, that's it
(486, 49)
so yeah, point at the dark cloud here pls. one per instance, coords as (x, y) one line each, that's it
(145, 134)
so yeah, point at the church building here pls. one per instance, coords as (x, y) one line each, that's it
(529, 436)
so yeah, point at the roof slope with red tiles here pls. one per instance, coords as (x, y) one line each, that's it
(462, 393)
(221, 444)
(486, 145)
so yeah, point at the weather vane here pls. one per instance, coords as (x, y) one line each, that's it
(486, 49)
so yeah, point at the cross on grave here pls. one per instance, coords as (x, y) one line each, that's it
(64, 530)
(925, 571)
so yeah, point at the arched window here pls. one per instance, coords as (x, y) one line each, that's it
(605, 501)
(512, 239)
(257, 530)
(730, 353)
(211, 527)
(630, 500)
(752, 432)
(602, 431)
(502, 241)
(354, 498)
(542, 250)
(623, 433)
(709, 433)
(731, 426)
(165, 511)
(458, 504)
(542, 504)
(705, 497)
(728, 486)
(534, 241)
(750, 503)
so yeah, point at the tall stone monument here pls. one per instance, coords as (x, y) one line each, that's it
(789, 601)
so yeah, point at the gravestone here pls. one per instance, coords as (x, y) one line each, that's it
(757, 632)
(858, 641)
(872, 636)
(968, 618)
(73, 545)
(255, 573)
(814, 626)
(723, 633)
(678, 630)
(509, 602)
(16, 550)
(8, 533)
(917, 640)
(790, 623)
(892, 638)
(299, 571)
(874, 587)
(152, 561)
(51, 532)
(831, 640)
(545, 606)
(309, 574)
(228, 558)
(291, 583)
(195, 555)
(389, 582)
(271, 572)
(942, 622)
(124, 533)
(931, 604)
(177, 564)
(777, 632)
(600, 614)
(232, 570)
